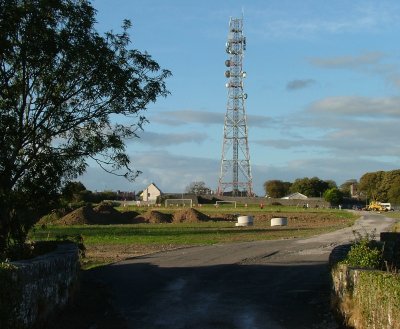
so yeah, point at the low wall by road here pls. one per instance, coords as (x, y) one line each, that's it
(32, 290)
(365, 298)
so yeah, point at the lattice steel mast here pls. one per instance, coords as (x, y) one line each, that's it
(235, 161)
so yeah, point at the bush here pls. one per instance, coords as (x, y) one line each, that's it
(365, 253)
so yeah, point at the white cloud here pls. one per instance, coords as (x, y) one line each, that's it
(172, 173)
(346, 106)
(316, 17)
(370, 63)
(352, 127)
(348, 61)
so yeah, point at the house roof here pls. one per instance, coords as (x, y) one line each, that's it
(151, 185)
(154, 186)
(296, 195)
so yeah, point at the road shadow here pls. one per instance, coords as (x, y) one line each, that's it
(269, 295)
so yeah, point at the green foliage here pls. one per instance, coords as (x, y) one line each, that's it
(330, 183)
(73, 192)
(383, 186)
(75, 195)
(311, 187)
(61, 82)
(276, 188)
(369, 184)
(393, 193)
(383, 287)
(334, 196)
(365, 253)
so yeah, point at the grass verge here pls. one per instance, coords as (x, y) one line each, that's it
(395, 215)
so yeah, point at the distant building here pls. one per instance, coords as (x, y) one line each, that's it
(354, 191)
(150, 193)
(295, 196)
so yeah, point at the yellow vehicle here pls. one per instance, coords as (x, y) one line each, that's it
(376, 206)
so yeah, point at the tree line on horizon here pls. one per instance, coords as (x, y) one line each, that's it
(383, 186)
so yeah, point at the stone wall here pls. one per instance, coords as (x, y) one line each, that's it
(366, 299)
(311, 202)
(44, 285)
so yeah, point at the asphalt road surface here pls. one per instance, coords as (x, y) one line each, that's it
(256, 285)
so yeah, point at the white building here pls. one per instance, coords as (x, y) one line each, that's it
(150, 193)
(295, 196)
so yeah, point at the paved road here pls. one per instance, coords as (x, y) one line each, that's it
(256, 285)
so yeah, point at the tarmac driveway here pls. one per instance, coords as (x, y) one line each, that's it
(264, 284)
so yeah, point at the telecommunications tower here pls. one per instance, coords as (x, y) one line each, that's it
(235, 172)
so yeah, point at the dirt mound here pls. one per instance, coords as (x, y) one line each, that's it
(105, 214)
(156, 217)
(102, 214)
(78, 216)
(189, 215)
(105, 207)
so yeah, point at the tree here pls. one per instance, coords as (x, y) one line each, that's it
(388, 182)
(61, 82)
(330, 183)
(394, 192)
(334, 196)
(276, 188)
(72, 191)
(369, 185)
(197, 188)
(380, 185)
(311, 187)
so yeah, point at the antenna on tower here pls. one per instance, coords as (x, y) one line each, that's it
(235, 171)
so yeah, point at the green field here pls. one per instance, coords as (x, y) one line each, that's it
(209, 232)
(110, 243)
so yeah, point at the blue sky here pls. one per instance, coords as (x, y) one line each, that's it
(323, 85)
